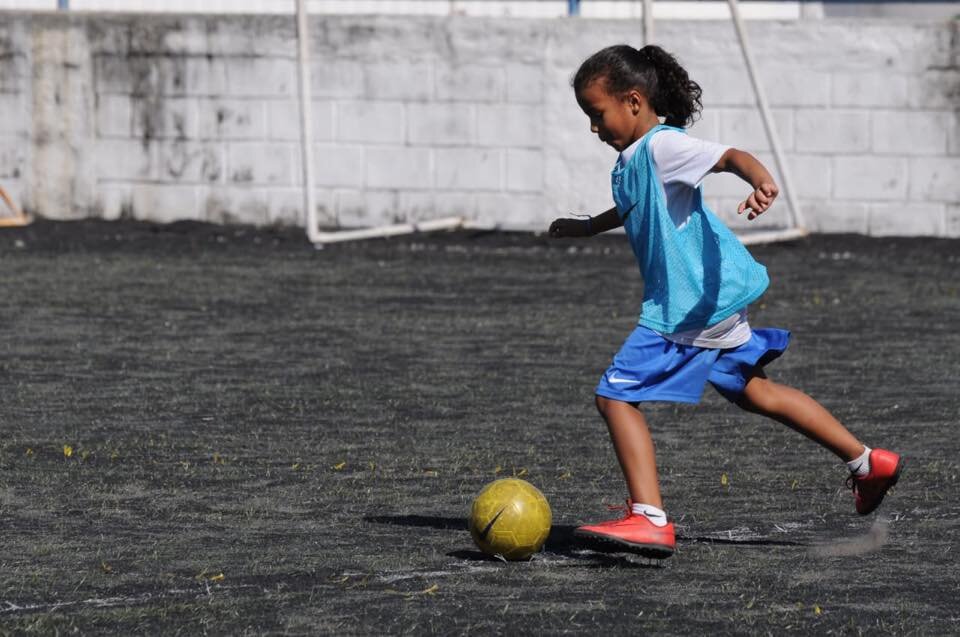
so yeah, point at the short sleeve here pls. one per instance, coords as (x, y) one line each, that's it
(681, 158)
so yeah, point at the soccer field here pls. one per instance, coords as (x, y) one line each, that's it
(225, 431)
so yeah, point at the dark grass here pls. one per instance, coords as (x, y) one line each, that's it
(271, 439)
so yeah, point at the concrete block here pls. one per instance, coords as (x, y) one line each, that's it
(832, 131)
(399, 167)
(338, 78)
(452, 203)
(159, 117)
(338, 165)
(726, 210)
(869, 178)
(399, 81)
(877, 89)
(469, 83)
(511, 125)
(165, 203)
(467, 169)
(743, 128)
(935, 179)
(366, 208)
(708, 127)
(524, 170)
(263, 163)
(953, 134)
(231, 119)
(283, 120)
(114, 116)
(906, 220)
(525, 83)
(418, 205)
(124, 160)
(934, 88)
(13, 113)
(160, 75)
(205, 76)
(725, 185)
(114, 201)
(13, 72)
(285, 207)
(953, 220)
(911, 132)
(837, 218)
(234, 205)
(727, 85)
(490, 41)
(211, 34)
(513, 211)
(440, 124)
(795, 87)
(380, 122)
(569, 137)
(581, 186)
(189, 161)
(812, 175)
(13, 157)
(261, 77)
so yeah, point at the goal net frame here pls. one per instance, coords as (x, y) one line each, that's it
(796, 229)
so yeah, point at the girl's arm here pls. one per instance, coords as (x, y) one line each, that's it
(748, 168)
(588, 227)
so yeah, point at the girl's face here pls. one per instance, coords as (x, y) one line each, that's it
(617, 120)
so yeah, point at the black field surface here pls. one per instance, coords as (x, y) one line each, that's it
(225, 431)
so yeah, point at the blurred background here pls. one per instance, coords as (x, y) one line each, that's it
(429, 108)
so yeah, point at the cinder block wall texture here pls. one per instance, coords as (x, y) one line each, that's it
(195, 117)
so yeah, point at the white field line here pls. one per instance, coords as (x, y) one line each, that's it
(7, 607)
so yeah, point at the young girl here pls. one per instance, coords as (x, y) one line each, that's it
(698, 282)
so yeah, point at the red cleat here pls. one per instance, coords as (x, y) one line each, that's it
(635, 533)
(869, 490)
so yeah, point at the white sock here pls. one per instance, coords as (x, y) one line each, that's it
(860, 466)
(652, 513)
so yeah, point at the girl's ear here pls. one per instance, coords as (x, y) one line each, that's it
(636, 101)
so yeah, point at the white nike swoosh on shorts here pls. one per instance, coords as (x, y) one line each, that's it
(613, 379)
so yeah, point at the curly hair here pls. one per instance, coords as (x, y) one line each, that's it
(650, 70)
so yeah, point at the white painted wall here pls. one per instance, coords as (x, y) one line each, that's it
(194, 117)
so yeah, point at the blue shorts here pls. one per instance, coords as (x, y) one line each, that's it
(650, 368)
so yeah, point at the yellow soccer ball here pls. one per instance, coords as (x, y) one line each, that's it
(510, 518)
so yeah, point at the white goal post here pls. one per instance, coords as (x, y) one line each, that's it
(319, 238)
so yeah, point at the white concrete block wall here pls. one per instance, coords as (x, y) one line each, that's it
(195, 117)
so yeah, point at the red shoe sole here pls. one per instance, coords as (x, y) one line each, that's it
(652, 551)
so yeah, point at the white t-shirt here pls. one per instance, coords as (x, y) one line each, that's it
(682, 162)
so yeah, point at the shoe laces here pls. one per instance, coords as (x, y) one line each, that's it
(626, 509)
(852, 482)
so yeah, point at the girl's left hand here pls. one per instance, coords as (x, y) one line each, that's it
(759, 200)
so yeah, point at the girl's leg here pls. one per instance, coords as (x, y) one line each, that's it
(800, 412)
(648, 532)
(634, 447)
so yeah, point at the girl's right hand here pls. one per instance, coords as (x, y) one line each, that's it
(569, 228)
